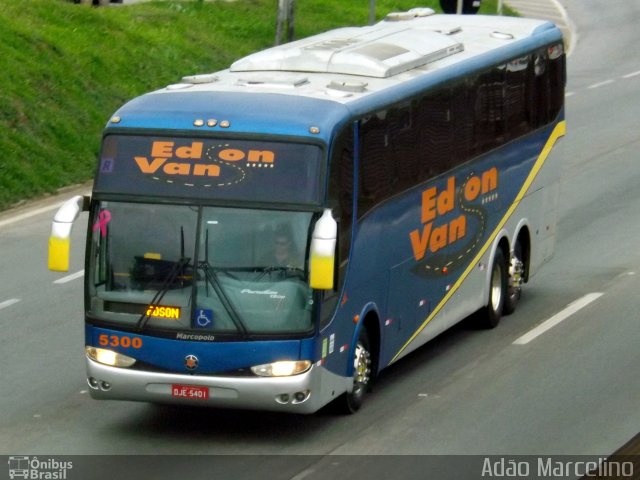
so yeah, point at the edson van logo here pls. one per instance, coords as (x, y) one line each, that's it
(193, 164)
(458, 204)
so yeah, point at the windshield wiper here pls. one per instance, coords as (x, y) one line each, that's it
(164, 288)
(212, 278)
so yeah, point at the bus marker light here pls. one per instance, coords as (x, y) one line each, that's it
(356, 318)
(344, 300)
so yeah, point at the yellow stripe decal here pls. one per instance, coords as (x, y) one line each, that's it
(558, 131)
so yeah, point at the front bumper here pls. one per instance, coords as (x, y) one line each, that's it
(317, 385)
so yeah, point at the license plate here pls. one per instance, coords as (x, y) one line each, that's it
(190, 391)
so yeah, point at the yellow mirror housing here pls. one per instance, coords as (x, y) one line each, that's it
(59, 249)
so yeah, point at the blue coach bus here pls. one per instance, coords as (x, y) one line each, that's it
(273, 235)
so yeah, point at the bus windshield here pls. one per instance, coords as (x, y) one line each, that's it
(205, 269)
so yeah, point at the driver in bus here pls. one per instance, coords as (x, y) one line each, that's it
(284, 252)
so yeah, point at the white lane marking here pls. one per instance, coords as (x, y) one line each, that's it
(305, 473)
(68, 278)
(8, 303)
(603, 83)
(558, 317)
(600, 84)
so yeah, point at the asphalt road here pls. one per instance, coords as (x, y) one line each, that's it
(573, 390)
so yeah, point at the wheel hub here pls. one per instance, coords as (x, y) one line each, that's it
(362, 364)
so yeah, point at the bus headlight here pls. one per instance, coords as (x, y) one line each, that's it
(109, 357)
(282, 369)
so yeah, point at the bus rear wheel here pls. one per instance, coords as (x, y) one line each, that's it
(352, 401)
(498, 283)
(515, 280)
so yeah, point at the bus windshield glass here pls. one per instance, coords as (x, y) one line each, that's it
(205, 269)
(206, 168)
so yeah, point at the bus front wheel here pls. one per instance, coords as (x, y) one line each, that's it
(352, 401)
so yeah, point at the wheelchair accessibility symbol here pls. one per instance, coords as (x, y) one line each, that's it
(203, 318)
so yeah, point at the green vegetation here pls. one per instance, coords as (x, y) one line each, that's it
(67, 67)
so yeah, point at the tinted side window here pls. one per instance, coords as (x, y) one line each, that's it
(376, 161)
(414, 141)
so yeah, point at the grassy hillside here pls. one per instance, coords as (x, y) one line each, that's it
(67, 67)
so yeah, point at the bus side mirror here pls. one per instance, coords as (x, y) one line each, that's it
(323, 252)
(60, 238)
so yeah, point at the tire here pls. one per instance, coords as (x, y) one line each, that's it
(515, 279)
(362, 362)
(498, 282)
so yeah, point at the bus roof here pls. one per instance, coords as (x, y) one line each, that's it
(311, 86)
